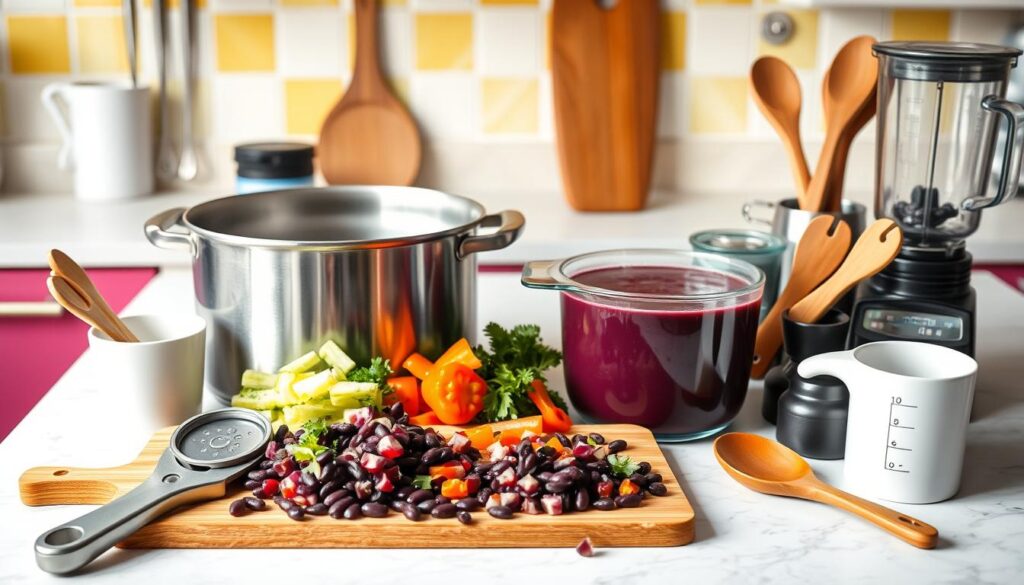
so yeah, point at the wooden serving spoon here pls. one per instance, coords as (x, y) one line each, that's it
(820, 251)
(369, 138)
(851, 83)
(83, 306)
(64, 266)
(874, 250)
(766, 466)
(776, 92)
(834, 189)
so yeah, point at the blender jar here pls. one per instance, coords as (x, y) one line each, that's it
(658, 338)
(938, 108)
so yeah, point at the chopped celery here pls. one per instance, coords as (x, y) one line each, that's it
(315, 387)
(285, 395)
(256, 399)
(254, 379)
(355, 394)
(303, 364)
(336, 358)
(299, 414)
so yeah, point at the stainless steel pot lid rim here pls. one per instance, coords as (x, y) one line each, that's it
(220, 438)
(352, 217)
(562, 272)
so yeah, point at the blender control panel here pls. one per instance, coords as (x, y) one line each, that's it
(912, 325)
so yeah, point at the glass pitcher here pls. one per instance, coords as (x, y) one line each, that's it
(938, 109)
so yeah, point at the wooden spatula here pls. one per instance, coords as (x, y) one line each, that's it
(369, 138)
(874, 250)
(605, 74)
(821, 249)
(85, 308)
(75, 276)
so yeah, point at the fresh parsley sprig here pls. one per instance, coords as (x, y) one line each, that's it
(516, 358)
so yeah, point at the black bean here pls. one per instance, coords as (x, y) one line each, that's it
(643, 468)
(557, 487)
(305, 490)
(280, 433)
(431, 456)
(329, 488)
(252, 484)
(446, 453)
(337, 511)
(616, 446)
(604, 504)
(345, 428)
(446, 510)
(258, 474)
(426, 506)
(336, 496)
(353, 512)
(500, 467)
(284, 503)
(325, 456)
(357, 471)
(597, 438)
(639, 480)
(544, 476)
(500, 512)
(411, 513)
(563, 440)
(309, 479)
(397, 410)
(238, 508)
(657, 489)
(296, 513)
(630, 501)
(254, 504)
(433, 441)
(582, 500)
(568, 501)
(404, 491)
(374, 510)
(468, 504)
(329, 472)
(464, 517)
(442, 500)
(318, 509)
(653, 478)
(546, 452)
(419, 496)
(266, 463)
(526, 464)
(483, 468)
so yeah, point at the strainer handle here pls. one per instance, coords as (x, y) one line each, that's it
(74, 544)
(1009, 171)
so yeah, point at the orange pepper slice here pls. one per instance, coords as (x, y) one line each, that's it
(461, 352)
(418, 366)
(425, 419)
(454, 488)
(534, 424)
(481, 436)
(555, 419)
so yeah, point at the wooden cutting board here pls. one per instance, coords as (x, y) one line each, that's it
(605, 71)
(665, 521)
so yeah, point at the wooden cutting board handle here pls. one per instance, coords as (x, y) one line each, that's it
(47, 486)
(605, 68)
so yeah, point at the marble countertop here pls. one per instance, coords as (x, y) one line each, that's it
(110, 233)
(741, 536)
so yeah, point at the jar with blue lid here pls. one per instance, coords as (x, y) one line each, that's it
(270, 166)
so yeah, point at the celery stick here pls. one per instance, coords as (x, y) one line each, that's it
(355, 394)
(315, 387)
(336, 358)
(303, 364)
(254, 379)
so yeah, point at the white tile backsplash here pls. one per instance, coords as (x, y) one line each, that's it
(509, 42)
(445, 104)
(247, 107)
(397, 53)
(720, 42)
(312, 43)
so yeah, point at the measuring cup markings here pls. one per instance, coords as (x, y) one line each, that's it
(894, 439)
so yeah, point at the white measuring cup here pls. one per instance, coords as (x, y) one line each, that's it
(910, 404)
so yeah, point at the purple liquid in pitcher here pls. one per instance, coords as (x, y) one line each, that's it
(678, 373)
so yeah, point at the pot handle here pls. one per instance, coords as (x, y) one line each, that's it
(510, 225)
(748, 211)
(157, 231)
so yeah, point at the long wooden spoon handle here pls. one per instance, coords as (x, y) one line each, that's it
(367, 61)
(68, 298)
(907, 528)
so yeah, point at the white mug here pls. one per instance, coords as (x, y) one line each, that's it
(910, 403)
(107, 137)
(158, 380)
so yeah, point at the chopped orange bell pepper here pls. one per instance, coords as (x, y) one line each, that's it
(456, 471)
(406, 391)
(627, 488)
(534, 424)
(481, 436)
(461, 353)
(417, 365)
(555, 444)
(454, 488)
(555, 419)
(510, 437)
(425, 419)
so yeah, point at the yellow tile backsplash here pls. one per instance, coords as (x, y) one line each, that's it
(93, 3)
(801, 50)
(444, 40)
(38, 44)
(509, 105)
(245, 42)
(307, 102)
(101, 46)
(673, 41)
(920, 25)
(718, 105)
(308, 2)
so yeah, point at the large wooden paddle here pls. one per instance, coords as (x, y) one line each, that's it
(821, 249)
(369, 138)
(605, 73)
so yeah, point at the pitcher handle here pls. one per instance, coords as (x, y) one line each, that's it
(56, 105)
(838, 364)
(510, 226)
(1009, 172)
(748, 209)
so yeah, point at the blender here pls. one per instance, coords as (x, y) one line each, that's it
(939, 107)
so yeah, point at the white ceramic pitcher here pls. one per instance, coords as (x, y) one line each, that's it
(910, 404)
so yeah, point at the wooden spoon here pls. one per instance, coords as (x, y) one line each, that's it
(82, 306)
(851, 83)
(834, 189)
(766, 466)
(821, 249)
(776, 92)
(874, 250)
(64, 266)
(369, 138)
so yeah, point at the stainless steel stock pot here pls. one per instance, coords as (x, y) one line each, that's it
(380, 270)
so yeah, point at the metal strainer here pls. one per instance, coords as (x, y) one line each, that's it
(206, 452)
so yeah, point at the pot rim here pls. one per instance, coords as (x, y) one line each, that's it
(335, 245)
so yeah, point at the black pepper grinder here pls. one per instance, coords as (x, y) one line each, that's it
(811, 412)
